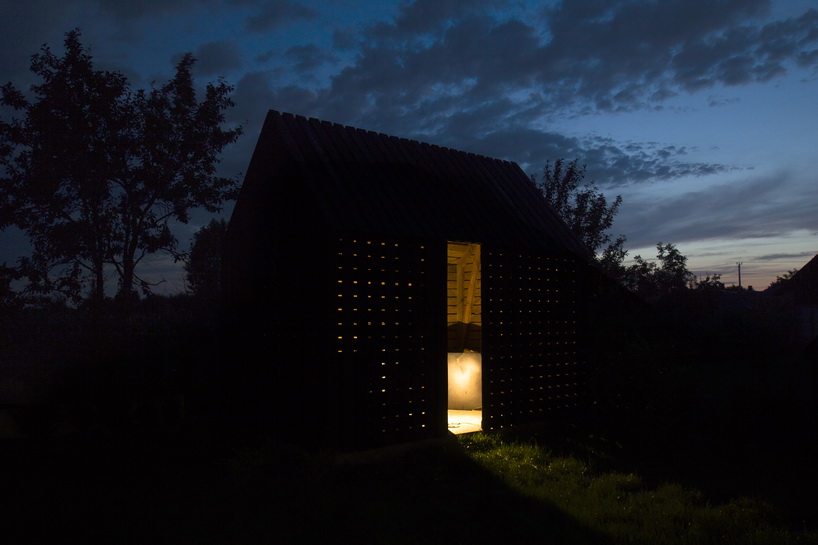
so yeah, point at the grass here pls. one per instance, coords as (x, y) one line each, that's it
(623, 507)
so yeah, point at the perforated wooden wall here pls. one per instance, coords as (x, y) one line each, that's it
(532, 362)
(389, 339)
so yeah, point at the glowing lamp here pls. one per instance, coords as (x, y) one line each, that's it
(465, 380)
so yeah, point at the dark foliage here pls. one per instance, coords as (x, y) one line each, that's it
(783, 279)
(583, 208)
(8, 297)
(588, 214)
(652, 281)
(203, 265)
(95, 172)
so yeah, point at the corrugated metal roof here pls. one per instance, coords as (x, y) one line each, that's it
(359, 181)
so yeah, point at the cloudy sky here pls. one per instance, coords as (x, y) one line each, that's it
(701, 114)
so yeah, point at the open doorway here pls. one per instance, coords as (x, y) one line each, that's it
(465, 386)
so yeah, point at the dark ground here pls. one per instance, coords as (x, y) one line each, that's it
(725, 422)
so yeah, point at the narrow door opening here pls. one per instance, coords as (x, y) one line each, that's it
(465, 386)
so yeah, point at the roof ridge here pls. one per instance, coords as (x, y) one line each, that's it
(336, 125)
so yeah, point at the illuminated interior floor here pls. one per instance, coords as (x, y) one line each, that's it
(465, 421)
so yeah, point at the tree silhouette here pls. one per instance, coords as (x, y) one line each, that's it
(8, 298)
(585, 210)
(60, 161)
(203, 266)
(669, 276)
(94, 172)
(784, 278)
(708, 283)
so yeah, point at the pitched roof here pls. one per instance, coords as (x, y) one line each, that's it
(357, 181)
(802, 287)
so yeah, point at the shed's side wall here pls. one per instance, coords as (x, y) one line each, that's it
(533, 361)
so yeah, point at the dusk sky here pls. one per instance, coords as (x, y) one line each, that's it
(701, 114)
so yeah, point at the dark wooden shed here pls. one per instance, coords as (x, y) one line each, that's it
(372, 283)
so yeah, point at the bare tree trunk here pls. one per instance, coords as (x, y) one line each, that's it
(127, 294)
(99, 280)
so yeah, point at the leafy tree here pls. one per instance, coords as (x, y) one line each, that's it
(784, 278)
(8, 298)
(203, 266)
(652, 280)
(60, 161)
(94, 172)
(584, 209)
(708, 283)
(174, 168)
(612, 257)
(588, 214)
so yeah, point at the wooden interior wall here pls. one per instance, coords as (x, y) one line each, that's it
(464, 306)
(533, 364)
(388, 343)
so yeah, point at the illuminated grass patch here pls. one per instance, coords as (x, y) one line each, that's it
(622, 506)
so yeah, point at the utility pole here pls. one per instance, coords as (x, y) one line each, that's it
(739, 273)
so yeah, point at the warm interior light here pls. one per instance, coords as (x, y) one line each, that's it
(465, 380)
